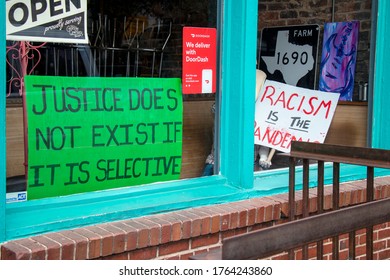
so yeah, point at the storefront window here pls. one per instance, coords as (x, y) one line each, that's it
(136, 39)
(238, 39)
(329, 52)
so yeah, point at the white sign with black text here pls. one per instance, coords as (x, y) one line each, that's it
(287, 113)
(59, 21)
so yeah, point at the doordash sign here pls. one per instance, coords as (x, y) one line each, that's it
(199, 60)
(59, 21)
(287, 113)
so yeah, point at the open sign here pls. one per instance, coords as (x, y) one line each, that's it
(47, 20)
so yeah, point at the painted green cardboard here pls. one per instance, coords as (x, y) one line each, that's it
(91, 133)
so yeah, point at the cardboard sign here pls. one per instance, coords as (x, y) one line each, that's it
(90, 133)
(285, 113)
(61, 21)
(199, 60)
(288, 54)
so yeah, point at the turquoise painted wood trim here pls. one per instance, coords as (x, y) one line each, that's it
(239, 41)
(52, 214)
(2, 121)
(381, 100)
(276, 181)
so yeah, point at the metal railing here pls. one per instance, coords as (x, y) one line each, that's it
(331, 224)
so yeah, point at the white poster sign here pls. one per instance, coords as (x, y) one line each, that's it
(285, 113)
(60, 21)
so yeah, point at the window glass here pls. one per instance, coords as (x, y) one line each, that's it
(140, 39)
(315, 47)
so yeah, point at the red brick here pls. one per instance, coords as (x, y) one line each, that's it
(117, 257)
(383, 234)
(186, 256)
(206, 225)
(177, 257)
(243, 218)
(144, 254)
(360, 237)
(234, 220)
(327, 202)
(176, 226)
(227, 234)
(268, 213)
(119, 235)
(312, 207)
(260, 216)
(185, 225)
(53, 249)
(380, 226)
(216, 223)
(154, 230)
(242, 210)
(224, 223)
(251, 216)
(344, 255)
(201, 251)
(206, 240)
(284, 205)
(196, 221)
(166, 229)
(379, 245)
(14, 251)
(347, 199)
(142, 232)
(94, 242)
(38, 251)
(215, 218)
(283, 256)
(360, 251)
(186, 229)
(385, 192)
(81, 244)
(176, 232)
(130, 235)
(384, 255)
(277, 212)
(107, 239)
(327, 248)
(173, 247)
(67, 245)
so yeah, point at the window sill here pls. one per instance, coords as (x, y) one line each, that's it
(53, 214)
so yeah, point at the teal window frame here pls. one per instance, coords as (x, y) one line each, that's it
(236, 179)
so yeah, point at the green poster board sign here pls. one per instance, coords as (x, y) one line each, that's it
(90, 133)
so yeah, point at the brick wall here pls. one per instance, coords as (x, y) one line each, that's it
(181, 234)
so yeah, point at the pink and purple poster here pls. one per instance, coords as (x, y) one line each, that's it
(338, 61)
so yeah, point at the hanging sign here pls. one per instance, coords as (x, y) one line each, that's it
(59, 21)
(338, 60)
(199, 60)
(286, 113)
(91, 133)
(289, 54)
